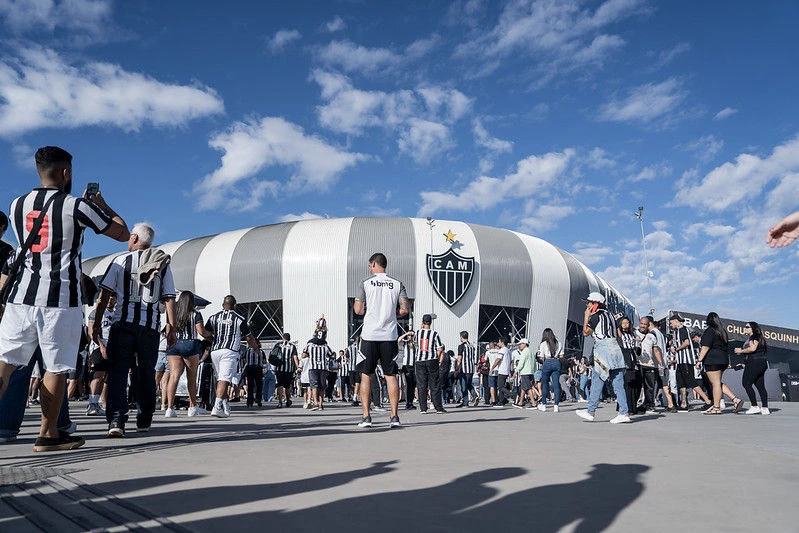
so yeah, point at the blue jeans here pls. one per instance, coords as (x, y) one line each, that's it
(583, 385)
(616, 378)
(12, 404)
(467, 386)
(551, 371)
(269, 385)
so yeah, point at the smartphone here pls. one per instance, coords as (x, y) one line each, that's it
(594, 307)
(92, 188)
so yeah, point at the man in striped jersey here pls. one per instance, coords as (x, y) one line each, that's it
(318, 351)
(464, 367)
(428, 346)
(43, 309)
(344, 369)
(284, 372)
(378, 298)
(683, 351)
(134, 335)
(228, 328)
(408, 347)
(254, 374)
(355, 374)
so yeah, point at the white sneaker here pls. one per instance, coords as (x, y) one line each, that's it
(582, 400)
(764, 411)
(197, 411)
(226, 407)
(722, 404)
(585, 415)
(555, 408)
(170, 413)
(754, 410)
(620, 419)
(542, 407)
(219, 412)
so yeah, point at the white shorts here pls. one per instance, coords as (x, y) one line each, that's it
(226, 363)
(56, 330)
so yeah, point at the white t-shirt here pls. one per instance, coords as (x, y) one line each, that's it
(380, 293)
(492, 355)
(504, 366)
(305, 370)
(543, 350)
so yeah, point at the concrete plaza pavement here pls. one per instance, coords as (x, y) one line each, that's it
(476, 469)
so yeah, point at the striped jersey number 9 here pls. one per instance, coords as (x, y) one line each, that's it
(43, 237)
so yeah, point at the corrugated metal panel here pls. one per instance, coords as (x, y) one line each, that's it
(579, 287)
(315, 279)
(102, 265)
(505, 269)
(551, 289)
(212, 271)
(184, 263)
(391, 236)
(464, 315)
(257, 274)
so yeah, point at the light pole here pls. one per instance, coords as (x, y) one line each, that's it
(648, 273)
(431, 223)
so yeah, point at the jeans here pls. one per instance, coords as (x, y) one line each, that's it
(616, 378)
(651, 383)
(446, 385)
(583, 385)
(255, 383)
(566, 387)
(268, 385)
(427, 379)
(410, 385)
(467, 385)
(551, 371)
(12, 405)
(129, 344)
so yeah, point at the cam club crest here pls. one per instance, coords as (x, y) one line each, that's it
(450, 273)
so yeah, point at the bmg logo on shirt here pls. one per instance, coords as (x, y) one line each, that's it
(388, 284)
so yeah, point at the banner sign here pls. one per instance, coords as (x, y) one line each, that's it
(785, 338)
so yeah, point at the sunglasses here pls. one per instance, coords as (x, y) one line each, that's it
(747, 327)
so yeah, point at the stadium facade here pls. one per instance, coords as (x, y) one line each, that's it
(485, 280)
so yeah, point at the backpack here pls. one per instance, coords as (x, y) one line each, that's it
(276, 355)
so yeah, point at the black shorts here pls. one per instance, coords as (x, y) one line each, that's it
(317, 378)
(284, 379)
(715, 368)
(685, 376)
(96, 361)
(378, 351)
(526, 382)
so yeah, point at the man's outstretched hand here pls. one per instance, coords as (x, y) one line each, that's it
(784, 232)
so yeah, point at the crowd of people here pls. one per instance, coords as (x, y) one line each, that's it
(142, 337)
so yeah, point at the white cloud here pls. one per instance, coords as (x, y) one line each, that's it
(558, 36)
(651, 172)
(352, 57)
(705, 147)
(544, 217)
(450, 104)
(89, 17)
(38, 89)
(598, 159)
(645, 103)
(422, 140)
(591, 253)
(484, 139)
(282, 39)
(733, 183)
(290, 217)
(337, 24)
(667, 56)
(725, 113)
(421, 47)
(533, 175)
(250, 147)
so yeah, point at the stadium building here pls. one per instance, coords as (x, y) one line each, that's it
(485, 280)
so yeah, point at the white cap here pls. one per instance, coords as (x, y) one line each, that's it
(524, 341)
(596, 297)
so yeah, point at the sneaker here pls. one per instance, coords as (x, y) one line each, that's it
(395, 423)
(288, 403)
(672, 409)
(440, 411)
(423, 412)
(64, 441)
(754, 410)
(92, 409)
(682, 409)
(315, 408)
(197, 411)
(555, 409)
(585, 415)
(461, 405)
(170, 413)
(542, 407)
(116, 430)
(410, 407)
(10, 438)
(517, 406)
(476, 402)
(379, 409)
(764, 411)
(723, 405)
(219, 412)
(226, 407)
(531, 408)
(143, 429)
(650, 411)
(355, 404)
(620, 419)
(366, 422)
(582, 400)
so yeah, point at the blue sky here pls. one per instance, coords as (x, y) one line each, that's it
(554, 118)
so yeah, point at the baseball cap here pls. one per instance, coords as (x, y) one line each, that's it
(596, 297)
(676, 316)
(427, 319)
(524, 341)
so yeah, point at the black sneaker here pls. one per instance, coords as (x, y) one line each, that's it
(672, 409)
(395, 423)
(423, 412)
(64, 441)
(440, 411)
(116, 430)
(288, 402)
(410, 407)
(366, 422)
(459, 406)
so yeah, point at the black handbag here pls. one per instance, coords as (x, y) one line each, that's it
(15, 270)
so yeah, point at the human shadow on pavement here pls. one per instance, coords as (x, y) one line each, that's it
(468, 503)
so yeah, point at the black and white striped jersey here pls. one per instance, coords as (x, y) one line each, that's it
(345, 365)
(228, 328)
(253, 357)
(52, 267)
(603, 324)
(137, 304)
(628, 340)
(189, 329)
(408, 353)
(289, 354)
(686, 355)
(317, 354)
(352, 351)
(427, 343)
(468, 354)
